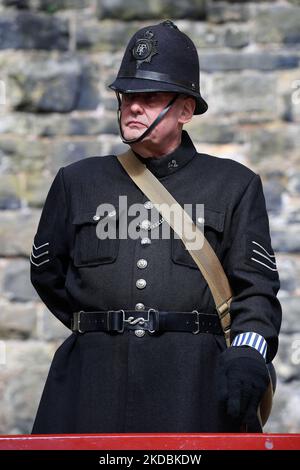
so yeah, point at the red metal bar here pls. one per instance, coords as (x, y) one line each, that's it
(151, 441)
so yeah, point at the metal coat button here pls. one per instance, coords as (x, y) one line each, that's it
(145, 241)
(142, 263)
(139, 333)
(141, 283)
(139, 306)
(148, 205)
(145, 224)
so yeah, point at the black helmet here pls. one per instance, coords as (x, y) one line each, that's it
(161, 58)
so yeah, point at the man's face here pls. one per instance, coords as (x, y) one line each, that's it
(139, 110)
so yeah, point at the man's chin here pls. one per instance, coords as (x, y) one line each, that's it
(130, 134)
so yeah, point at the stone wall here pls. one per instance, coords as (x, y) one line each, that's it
(56, 58)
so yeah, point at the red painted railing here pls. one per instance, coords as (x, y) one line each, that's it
(151, 441)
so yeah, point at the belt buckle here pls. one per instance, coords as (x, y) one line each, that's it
(76, 321)
(197, 322)
(141, 320)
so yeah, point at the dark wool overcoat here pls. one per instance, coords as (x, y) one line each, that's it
(163, 382)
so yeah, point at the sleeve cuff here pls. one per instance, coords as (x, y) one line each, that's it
(254, 340)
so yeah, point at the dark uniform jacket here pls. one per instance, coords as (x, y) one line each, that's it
(164, 382)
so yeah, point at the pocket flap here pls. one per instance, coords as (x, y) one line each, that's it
(93, 217)
(214, 219)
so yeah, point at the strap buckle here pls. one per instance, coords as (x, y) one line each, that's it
(223, 308)
(118, 330)
(76, 321)
(225, 319)
(197, 321)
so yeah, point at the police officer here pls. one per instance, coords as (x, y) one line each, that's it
(132, 362)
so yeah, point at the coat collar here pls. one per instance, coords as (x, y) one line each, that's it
(174, 161)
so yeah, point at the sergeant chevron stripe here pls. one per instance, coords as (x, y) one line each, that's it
(36, 254)
(264, 257)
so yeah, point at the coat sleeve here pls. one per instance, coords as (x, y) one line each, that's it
(49, 257)
(250, 265)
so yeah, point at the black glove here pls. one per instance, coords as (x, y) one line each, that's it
(242, 378)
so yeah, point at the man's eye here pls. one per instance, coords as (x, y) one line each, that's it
(148, 98)
(126, 98)
(151, 98)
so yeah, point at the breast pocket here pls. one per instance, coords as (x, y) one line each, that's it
(213, 232)
(89, 249)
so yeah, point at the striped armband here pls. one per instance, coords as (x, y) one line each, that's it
(254, 340)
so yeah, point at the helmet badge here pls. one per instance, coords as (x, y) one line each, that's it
(145, 48)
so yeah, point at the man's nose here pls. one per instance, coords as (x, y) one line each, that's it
(136, 107)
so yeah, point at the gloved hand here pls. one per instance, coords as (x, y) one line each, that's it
(242, 378)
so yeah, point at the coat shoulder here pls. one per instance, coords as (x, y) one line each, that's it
(90, 165)
(226, 169)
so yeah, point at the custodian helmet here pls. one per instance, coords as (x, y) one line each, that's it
(160, 58)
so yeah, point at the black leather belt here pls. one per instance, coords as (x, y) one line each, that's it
(150, 320)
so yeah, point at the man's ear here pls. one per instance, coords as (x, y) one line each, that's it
(188, 108)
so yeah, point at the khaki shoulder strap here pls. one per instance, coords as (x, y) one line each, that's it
(205, 257)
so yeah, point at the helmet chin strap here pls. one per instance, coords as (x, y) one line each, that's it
(150, 128)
